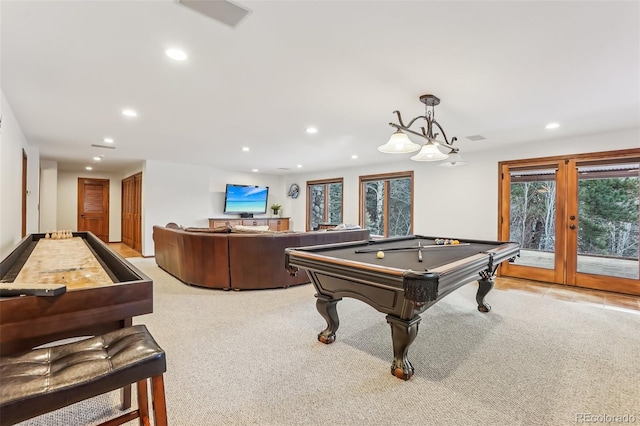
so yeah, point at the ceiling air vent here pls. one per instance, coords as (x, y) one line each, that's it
(476, 138)
(102, 146)
(223, 11)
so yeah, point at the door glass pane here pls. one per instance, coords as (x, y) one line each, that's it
(399, 207)
(608, 220)
(374, 206)
(316, 205)
(532, 216)
(335, 203)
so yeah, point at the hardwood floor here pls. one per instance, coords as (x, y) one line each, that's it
(124, 250)
(596, 298)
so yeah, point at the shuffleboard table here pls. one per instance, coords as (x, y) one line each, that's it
(101, 292)
(401, 277)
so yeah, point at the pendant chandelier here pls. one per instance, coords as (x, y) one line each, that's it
(399, 143)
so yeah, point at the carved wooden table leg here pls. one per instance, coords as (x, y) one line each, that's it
(484, 287)
(403, 333)
(327, 308)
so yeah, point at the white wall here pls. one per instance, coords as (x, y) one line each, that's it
(219, 178)
(48, 196)
(67, 201)
(458, 201)
(189, 195)
(12, 142)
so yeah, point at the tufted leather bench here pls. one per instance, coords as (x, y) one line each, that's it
(46, 379)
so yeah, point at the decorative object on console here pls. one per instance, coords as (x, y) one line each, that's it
(399, 143)
(275, 208)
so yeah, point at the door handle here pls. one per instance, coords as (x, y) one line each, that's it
(572, 226)
(572, 217)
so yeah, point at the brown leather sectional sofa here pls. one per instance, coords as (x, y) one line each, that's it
(238, 261)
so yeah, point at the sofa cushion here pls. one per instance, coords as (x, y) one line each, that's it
(343, 226)
(247, 228)
(217, 230)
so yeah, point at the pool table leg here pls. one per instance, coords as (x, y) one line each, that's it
(485, 286)
(327, 308)
(403, 333)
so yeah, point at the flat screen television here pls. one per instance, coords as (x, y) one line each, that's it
(245, 200)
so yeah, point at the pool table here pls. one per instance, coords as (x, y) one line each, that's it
(401, 277)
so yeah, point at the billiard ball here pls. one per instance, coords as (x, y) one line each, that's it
(380, 254)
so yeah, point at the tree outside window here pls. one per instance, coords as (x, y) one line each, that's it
(387, 204)
(324, 202)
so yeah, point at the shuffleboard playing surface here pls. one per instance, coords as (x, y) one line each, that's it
(68, 261)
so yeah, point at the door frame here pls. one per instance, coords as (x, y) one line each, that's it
(25, 192)
(566, 243)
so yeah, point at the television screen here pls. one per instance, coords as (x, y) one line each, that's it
(246, 199)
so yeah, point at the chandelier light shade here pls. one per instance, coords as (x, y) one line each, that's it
(454, 160)
(399, 142)
(429, 152)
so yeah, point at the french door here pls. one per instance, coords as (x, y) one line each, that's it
(576, 219)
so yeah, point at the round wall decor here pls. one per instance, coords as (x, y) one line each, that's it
(294, 190)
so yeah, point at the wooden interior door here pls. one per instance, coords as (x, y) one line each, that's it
(132, 211)
(93, 207)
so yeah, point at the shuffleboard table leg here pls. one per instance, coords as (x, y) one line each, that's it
(484, 287)
(125, 392)
(327, 308)
(403, 333)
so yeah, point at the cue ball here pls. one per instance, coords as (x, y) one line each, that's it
(380, 254)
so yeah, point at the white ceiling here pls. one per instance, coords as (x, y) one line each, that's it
(502, 70)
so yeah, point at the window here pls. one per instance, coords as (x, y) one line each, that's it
(324, 202)
(386, 203)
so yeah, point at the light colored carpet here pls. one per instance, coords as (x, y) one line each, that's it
(252, 358)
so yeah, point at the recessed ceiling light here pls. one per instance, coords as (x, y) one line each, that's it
(176, 54)
(108, 140)
(299, 166)
(97, 158)
(552, 126)
(129, 113)
(311, 130)
(89, 168)
(354, 156)
(255, 170)
(245, 148)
